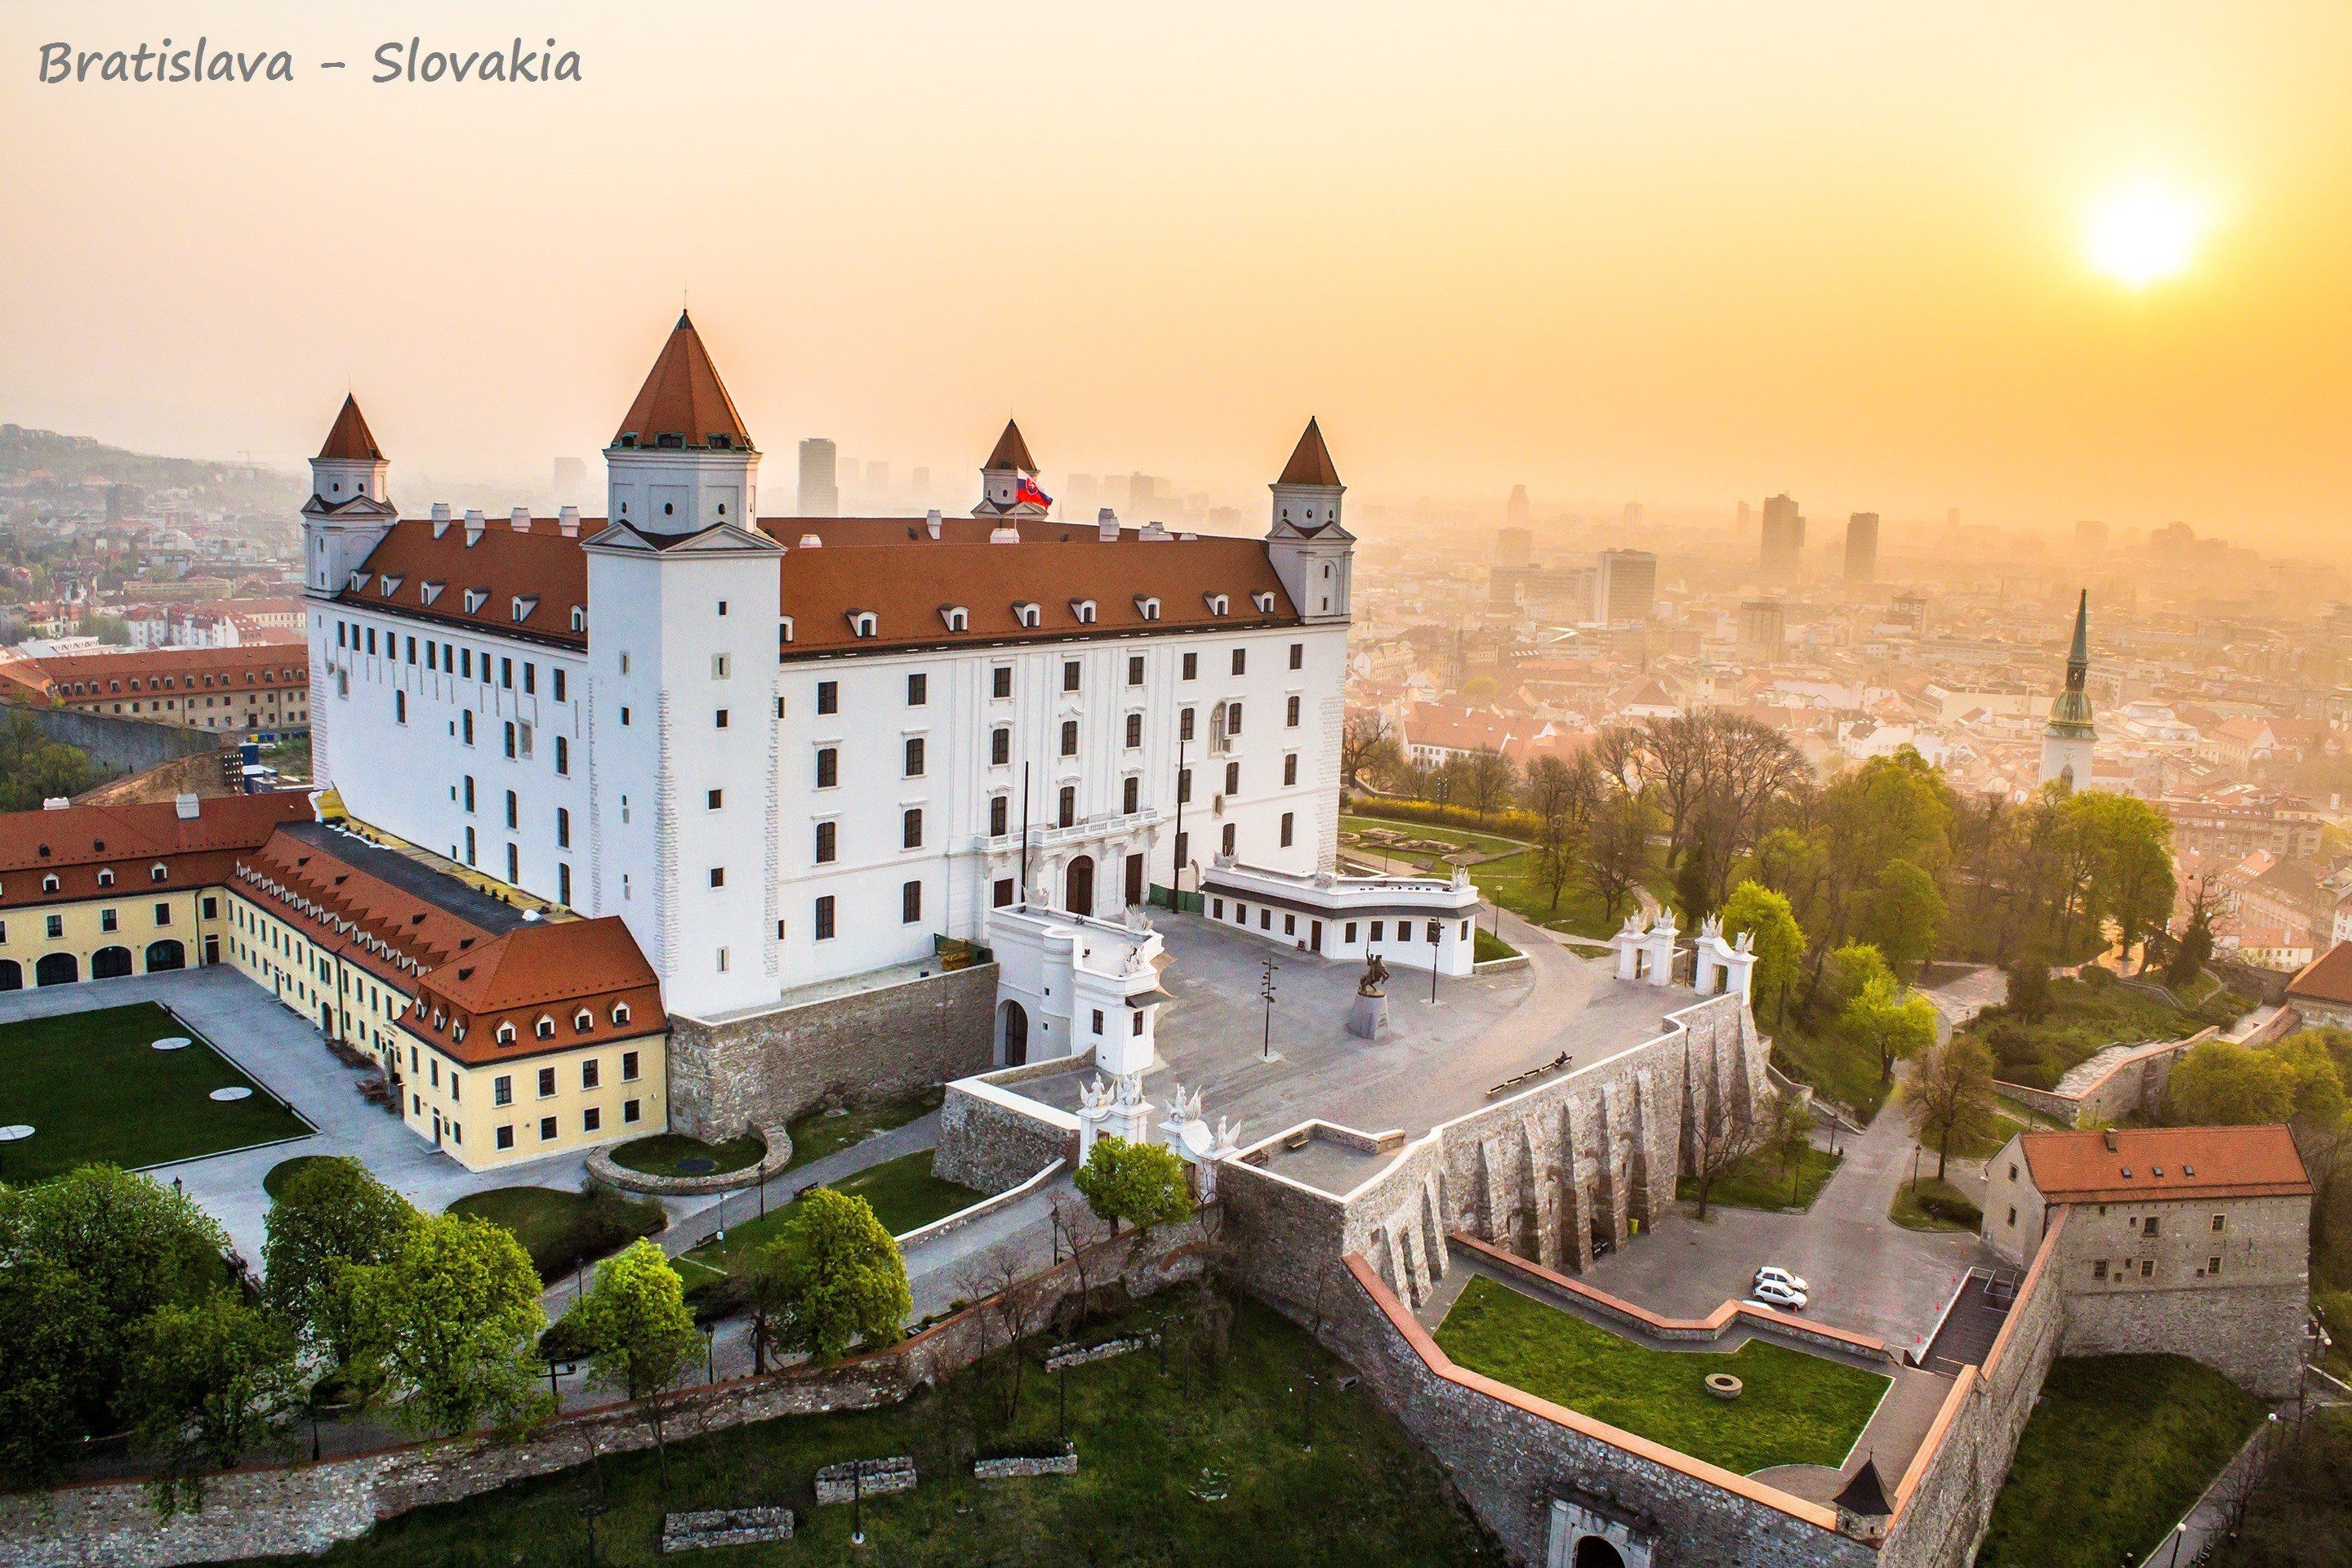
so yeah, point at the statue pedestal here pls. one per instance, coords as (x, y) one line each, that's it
(1369, 1016)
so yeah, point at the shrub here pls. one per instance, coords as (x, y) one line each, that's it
(1942, 1205)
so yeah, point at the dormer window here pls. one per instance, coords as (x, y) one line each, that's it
(387, 586)
(505, 1033)
(720, 441)
(863, 623)
(524, 604)
(428, 592)
(620, 1012)
(359, 581)
(545, 1027)
(1084, 610)
(670, 442)
(957, 617)
(1148, 606)
(583, 1021)
(1216, 603)
(106, 876)
(579, 618)
(158, 872)
(459, 1033)
(1025, 613)
(50, 883)
(1265, 603)
(475, 598)
(628, 440)
(784, 631)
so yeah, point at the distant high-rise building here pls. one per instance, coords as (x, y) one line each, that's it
(1763, 625)
(1514, 510)
(1143, 493)
(877, 478)
(1627, 587)
(2090, 535)
(1909, 610)
(121, 500)
(1747, 518)
(1514, 547)
(820, 491)
(1632, 514)
(1784, 540)
(571, 481)
(1077, 497)
(1862, 547)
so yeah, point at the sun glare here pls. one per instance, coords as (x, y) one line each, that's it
(2144, 233)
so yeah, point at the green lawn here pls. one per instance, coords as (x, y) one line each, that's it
(905, 1194)
(274, 1181)
(1761, 1182)
(1908, 1211)
(1797, 1409)
(1486, 844)
(1838, 1070)
(660, 1154)
(821, 1133)
(94, 1089)
(1148, 1440)
(2004, 1128)
(2084, 1018)
(2117, 1449)
(1504, 873)
(561, 1230)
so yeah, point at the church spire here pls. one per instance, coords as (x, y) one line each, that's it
(2078, 662)
(2068, 737)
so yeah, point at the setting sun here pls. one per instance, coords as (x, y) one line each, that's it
(2144, 233)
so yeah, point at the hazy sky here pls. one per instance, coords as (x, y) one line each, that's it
(1684, 253)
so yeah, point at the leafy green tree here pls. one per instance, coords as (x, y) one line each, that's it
(53, 1360)
(1141, 1184)
(207, 1384)
(1876, 1013)
(1559, 797)
(452, 1321)
(1789, 1139)
(641, 1338)
(330, 1211)
(34, 768)
(1949, 1095)
(2319, 1099)
(1778, 942)
(2222, 1084)
(2029, 987)
(1693, 885)
(1906, 909)
(1618, 852)
(844, 1280)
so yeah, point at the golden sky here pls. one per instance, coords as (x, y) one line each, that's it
(1684, 253)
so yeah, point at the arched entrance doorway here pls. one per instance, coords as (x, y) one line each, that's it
(108, 962)
(1594, 1553)
(12, 974)
(1078, 885)
(327, 1020)
(56, 969)
(166, 954)
(1016, 1034)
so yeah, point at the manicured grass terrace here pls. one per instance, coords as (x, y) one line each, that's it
(94, 1089)
(664, 1153)
(2117, 1450)
(821, 1132)
(1797, 1409)
(1761, 1182)
(561, 1230)
(1176, 1466)
(904, 1193)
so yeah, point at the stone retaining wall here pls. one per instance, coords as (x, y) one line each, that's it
(305, 1508)
(766, 1069)
(993, 1139)
(1020, 1469)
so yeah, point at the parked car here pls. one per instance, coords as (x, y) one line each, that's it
(1773, 1293)
(1773, 1271)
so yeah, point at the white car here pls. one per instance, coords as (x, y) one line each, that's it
(1781, 1276)
(1772, 1293)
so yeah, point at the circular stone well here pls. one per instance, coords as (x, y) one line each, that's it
(1723, 1385)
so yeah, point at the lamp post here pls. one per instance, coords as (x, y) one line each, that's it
(1266, 989)
(858, 1503)
(1436, 938)
(710, 1353)
(2177, 1531)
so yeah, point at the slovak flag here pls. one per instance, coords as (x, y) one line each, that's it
(1027, 490)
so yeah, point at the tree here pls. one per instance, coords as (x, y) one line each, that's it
(2319, 1100)
(1141, 1184)
(1620, 849)
(34, 768)
(332, 1210)
(1368, 743)
(205, 1386)
(845, 1282)
(1560, 798)
(2222, 1084)
(1905, 909)
(2195, 948)
(764, 1275)
(640, 1337)
(1876, 1013)
(454, 1320)
(1692, 883)
(1773, 936)
(1789, 1139)
(1715, 1147)
(51, 1363)
(1949, 1095)
(1488, 780)
(2029, 987)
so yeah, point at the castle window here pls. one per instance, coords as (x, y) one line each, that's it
(1069, 675)
(863, 623)
(1084, 610)
(1148, 606)
(1298, 656)
(1216, 603)
(620, 1012)
(505, 1033)
(579, 618)
(958, 618)
(1025, 613)
(106, 879)
(545, 1027)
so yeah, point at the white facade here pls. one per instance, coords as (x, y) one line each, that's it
(1411, 922)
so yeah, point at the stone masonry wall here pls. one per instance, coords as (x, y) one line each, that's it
(1945, 1500)
(2250, 1334)
(306, 1507)
(994, 1141)
(726, 1078)
(1511, 1460)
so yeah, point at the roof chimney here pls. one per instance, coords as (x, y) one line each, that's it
(1154, 532)
(932, 523)
(440, 511)
(1106, 526)
(1004, 533)
(567, 523)
(55, 802)
(2111, 1140)
(521, 517)
(474, 526)
(185, 806)
(810, 541)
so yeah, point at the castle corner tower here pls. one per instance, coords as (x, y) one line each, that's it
(1311, 553)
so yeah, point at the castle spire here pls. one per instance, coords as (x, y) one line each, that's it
(683, 404)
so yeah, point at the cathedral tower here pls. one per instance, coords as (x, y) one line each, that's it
(2067, 738)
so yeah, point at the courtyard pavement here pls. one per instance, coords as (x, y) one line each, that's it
(1435, 1062)
(280, 1049)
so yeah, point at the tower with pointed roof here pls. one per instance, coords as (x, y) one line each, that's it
(2067, 740)
(682, 460)
(1311, 553)
(1001, 476)
(348, 509)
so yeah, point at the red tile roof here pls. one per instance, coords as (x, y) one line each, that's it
(2327, 978)
(168, 670)
(552, 970)
(683, 397)
(2166, 1162)
(1310, 461)
(1012, 451)
(417, 567)
(78, 842)
(351, 439)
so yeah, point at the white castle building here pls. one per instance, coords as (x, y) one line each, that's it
(788, 750)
